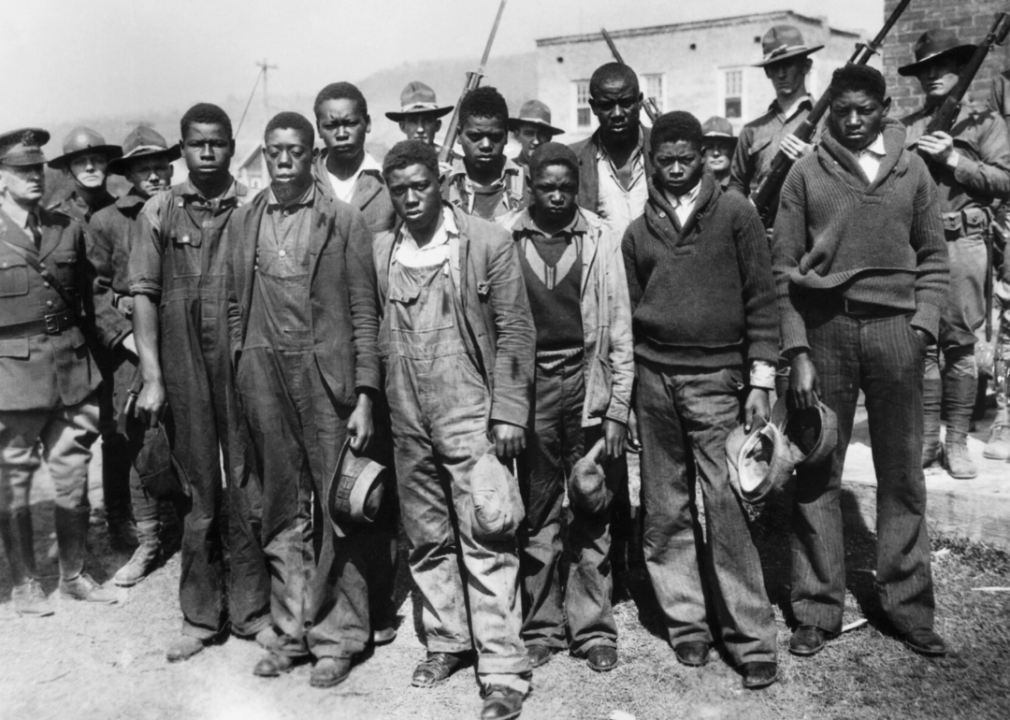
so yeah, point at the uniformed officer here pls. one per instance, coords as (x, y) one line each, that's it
(971, 167)
(48, 378)
(720, 145)
(531, 129)
(178, 266)
(85, 159)
(420, 114)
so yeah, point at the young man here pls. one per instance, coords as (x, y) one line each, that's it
(420, 113)
(706, 336)
(786, 62)
(719, 148)
(457, 343)
(85, 159)
(484, 182)
(971, 167)
(147, 164)
(344, 165)
(178, 267)
(577, 289)
(303, 323)
(531, 130)
(861, 273)
(48, 378)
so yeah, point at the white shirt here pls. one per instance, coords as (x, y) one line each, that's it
(436, 252)
(870, 157)
(683, 205)
(617, 205)
(344, 189)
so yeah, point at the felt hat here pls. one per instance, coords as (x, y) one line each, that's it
(934, 44)
(497, 505)
(145, 142)
(587, 486)
(83, 140)
(23, 147)
(783, 42)
(812, 432)
(418, 99)
(536, 113)
(355, 491)
(719, 128)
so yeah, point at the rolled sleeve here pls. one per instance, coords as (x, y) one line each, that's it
(146, 254)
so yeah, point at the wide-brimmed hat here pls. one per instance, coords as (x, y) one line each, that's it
(719, 128)
(934, 44)
(146, 142)
(536, 113)
(23, 147)
(497, 505)
(418, 99)
(587, 486)
(355, 492)
(813, 432)
(783, 42)
(83, 140)
(759, 461)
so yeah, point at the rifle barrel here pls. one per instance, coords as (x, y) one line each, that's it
(490, 39)
(650, 107)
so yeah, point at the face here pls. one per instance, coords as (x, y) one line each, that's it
(207, 150)
(679, 166)
(531, 137)
(856, 117)
(938, 78)
(88, 170)
(554, 192)
(483, 140)
(788, 76)
(24, 184)
(421, 127)
(343, 127)
(416, 196)
(149, 175)
(718, 154)
(289, 162)
(617, 106)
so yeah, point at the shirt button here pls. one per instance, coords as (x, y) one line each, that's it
(49, 303)
(662, 214)
(283, 253)
(45, 284)
(207, 223)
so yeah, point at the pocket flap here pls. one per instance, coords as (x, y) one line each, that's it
(404, 294)
(14, 348)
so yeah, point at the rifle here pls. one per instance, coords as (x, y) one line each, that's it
(650, 106)
(765, 196)
(472, 82)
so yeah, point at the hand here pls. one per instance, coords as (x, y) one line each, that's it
(614, 434)
(757, 407)
(632, 444)
(130, 345)
(151, 403)
(803, 384)
(794, 148)
(938, 146)
(509, 440)
(359, 425)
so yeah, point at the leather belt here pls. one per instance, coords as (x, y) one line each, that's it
(967, 222)
(858, 309)
(52, 324)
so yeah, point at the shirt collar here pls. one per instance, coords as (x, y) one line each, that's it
(304, 200)
(601, 152)
(441, 236)
(17, 213)
(689, 198)
(459, 168)
(877, 146)
(190, 190)
(805, 103)
(527, 225)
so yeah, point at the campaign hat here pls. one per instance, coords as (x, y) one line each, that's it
(812, 431)
(146, 142)
(536, 113)
(783, 42)
(418, 99)
(23, 147)
(82, 140)
(934, 44)
(719, 128)
(355, 491)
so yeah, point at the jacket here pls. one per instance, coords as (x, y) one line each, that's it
(370, 195)
(759, 144)
(589, 178)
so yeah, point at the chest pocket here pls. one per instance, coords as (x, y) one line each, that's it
(185, 249)
(13, 278)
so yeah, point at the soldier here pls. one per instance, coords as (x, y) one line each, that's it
(720, 145)
(420, 113)
(178, 265)
(147, 164)
(48, 378)
(484, 182)
(786, 63)
(531, 130)
(85, 159)
(971, 167)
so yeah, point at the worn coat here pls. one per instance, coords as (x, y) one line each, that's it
(370, 195)
(589, 178)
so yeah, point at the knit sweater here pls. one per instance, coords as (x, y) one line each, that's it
(837, 235)
(702, 294)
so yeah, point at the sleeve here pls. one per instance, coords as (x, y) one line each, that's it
(989, 176)
(761, 317)
(740, 173)
(238, 239)
(788, 247)
(113, 326)
(622, 347)
(631, 267)
(928, 242)
(364, 304)
(145, 256)
(84, 279)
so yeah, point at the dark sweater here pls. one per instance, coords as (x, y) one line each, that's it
(839, 236)
(702, 295)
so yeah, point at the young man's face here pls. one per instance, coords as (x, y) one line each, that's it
(679, 166)
(149, 175)
(617, 105)
(483, 140)
(207, 149)
(343, 127)
(718, 154)
(289, 162)
(531, 136)
(939, 77)
(89, 170)
(416, 196)
(24, 184)
(555, 189)
(421, 126)
(856, 117)
(788, 76)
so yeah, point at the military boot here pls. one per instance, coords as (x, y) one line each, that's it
(958, 401)
(18, 538)
(145, 557)
(75, 584)
(931, 394)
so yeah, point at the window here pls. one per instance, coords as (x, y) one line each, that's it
(654, 90)
(583, 113)
(733, 94)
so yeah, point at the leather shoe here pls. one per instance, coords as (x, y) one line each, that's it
(539, 654)
(692, 653)
(925, 642)
(602, 658)
(501, 703)
(29, 599)
(184, 648)
(84, 588)
(330, 671)
(435, 668)
(383, 635)
(807, 640)
(273, 665)
(759, 674)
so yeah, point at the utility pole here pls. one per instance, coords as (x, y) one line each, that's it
(265, 68)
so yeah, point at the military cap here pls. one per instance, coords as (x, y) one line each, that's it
(783, 42)
(83, 140)
(143, 142)
(934, 44)
(418, 99)
(719, 129)
(536, 113)
(23, 147)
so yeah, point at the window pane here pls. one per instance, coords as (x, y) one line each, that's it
(584, 117)
(654, 89)
(733, 108)
(734, 83)
(582, 92)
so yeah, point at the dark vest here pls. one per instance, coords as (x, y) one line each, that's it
(557, 312)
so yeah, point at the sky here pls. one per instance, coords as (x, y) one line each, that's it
(66, 59)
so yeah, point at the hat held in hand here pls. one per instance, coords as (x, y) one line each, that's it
(813, 432)
(497, 504)
(355, 492)
(587, 486)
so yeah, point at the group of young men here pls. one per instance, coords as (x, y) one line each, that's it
(458, 322)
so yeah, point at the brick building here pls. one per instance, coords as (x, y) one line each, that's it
(704, 67)
(970, 19)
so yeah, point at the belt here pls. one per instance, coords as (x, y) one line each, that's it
(52, 324)
(967, 222)
(859, 309)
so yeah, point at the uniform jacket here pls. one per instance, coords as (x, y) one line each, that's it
(608, 357)
(344, 314)
(496, 307)
(42, 371)
(589, 179)
(759, 144)
(370, 195)
(73, 205)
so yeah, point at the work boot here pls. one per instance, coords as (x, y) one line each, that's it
(29, 599)
(123, 533)
(998, 447)
(958, 402)
(71, 532)
(931, 393)
(957, 462)
(145, 559)
(17, 537)
(83, 587)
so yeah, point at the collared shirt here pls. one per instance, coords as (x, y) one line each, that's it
(551, 256)
(486, 201)
(869, 157)
(344, 189)
(283, 244)
(617, 205)
(759, 143)
(683, 205)
(436, 252)
(17, 213)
